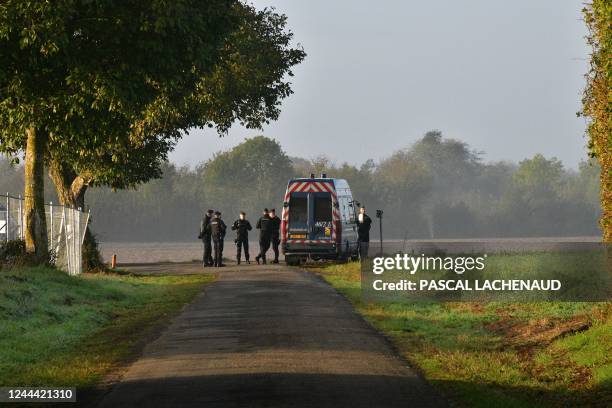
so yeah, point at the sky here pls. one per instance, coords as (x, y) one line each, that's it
(506, 77)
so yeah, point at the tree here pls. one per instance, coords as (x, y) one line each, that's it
(580, 195)
(116, 166)
(249, 177)
(401, 184)
(537, 186)
(596, 101)
(247, 84)
(494, 203)
(450, 166)
(128, 72)
(539, 175)
(71, 67)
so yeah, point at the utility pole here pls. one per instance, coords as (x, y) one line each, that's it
(379, 215)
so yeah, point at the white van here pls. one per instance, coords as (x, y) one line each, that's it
(319, 220)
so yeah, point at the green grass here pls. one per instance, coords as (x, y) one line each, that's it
(70, 331)
(515, 354)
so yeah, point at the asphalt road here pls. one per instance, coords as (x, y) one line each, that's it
(269, 336)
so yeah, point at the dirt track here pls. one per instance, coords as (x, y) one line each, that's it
(269, 336)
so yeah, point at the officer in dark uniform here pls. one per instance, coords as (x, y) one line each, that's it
(204, 235)
(242, 227)
(264, 227)
(275, 223)
(364, 222)
(217, 231)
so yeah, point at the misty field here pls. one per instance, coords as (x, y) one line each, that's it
(518, 354)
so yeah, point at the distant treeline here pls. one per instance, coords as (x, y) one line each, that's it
(435, 188)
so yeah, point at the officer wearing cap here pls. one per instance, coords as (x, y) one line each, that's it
(205, 236)
(264, 226)
(242, 226)
(275, 223)
(217, 231)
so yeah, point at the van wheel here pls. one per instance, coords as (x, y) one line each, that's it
(292, 260)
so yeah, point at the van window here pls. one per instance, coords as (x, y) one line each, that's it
(348, 209)
(322, 208)
(298, 211)
(351, 213)
(343, 208)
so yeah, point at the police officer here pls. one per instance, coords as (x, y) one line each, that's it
(242, 227)
(275, 223)
(217, 231)
(364, 222)
(204, 235)
(264, 227)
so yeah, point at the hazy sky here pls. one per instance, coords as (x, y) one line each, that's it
(504, 76)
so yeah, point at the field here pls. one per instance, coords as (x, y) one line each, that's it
(62, 330)
(517, 354)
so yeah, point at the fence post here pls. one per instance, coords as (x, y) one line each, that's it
(20, 218)
(77, 244)
(8, 212)
(87, 223)
(65, 233)
(51, 223)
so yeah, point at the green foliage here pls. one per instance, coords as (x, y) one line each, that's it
(73, 68)
(11, 253)
(538, 172)
(245, 81)
(535, 191)
(596, 100)
(108, 87)
(177, 66)
(80, 76)
(457, 197)
(426, 192)
(251, 176)
(92, 260)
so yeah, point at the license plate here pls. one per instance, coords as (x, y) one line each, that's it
(297, 236)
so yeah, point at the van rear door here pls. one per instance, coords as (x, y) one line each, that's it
(310, 216)
(298, 216)
(321, 217)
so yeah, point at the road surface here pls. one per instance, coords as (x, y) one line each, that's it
(269, 336)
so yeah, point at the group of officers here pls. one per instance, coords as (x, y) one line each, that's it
(213, 230)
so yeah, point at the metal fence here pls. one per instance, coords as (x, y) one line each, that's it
(65, 230)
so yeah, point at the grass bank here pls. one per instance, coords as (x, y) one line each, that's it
(506, 354)
(70, 331)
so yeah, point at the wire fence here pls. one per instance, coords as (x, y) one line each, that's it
(65, 230)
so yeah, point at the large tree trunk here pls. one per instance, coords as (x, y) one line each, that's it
(71, 189)
(35, 222)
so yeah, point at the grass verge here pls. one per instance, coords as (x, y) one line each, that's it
(510, 354)
(70, 331)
